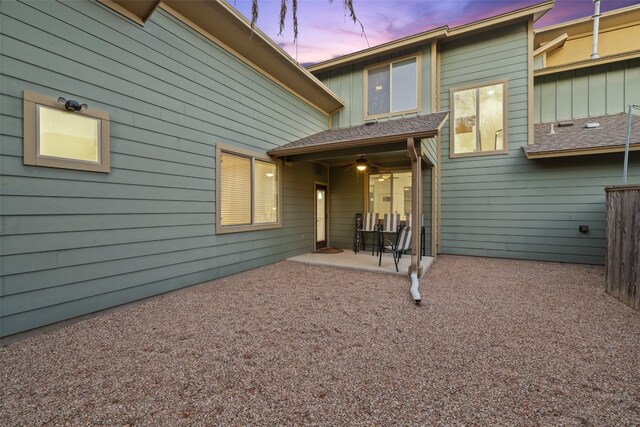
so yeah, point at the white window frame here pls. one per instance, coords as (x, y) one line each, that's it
(389, 64)
(505, 118)
(31, 136)
(253, 156)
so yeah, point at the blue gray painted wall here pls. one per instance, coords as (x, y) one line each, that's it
(508, 206)
(76, 242)
(348, 83)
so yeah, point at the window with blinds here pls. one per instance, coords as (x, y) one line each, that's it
(235, 177)
(248, 192)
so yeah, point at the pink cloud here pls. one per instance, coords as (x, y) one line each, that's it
(326, 32)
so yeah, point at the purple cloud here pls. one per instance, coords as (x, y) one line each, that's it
(326, 32)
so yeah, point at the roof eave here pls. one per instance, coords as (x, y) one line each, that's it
(318, 148)
(552, 46)
(233, 32)
(580, 151)
(138, 11)
(584, 24)
(536, 11)
(587, 63)
(405, 43)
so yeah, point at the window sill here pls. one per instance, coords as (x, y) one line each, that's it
(392, 115)
(480, 154)
(244, 228)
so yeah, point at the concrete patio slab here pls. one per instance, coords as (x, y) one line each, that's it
(363, 261)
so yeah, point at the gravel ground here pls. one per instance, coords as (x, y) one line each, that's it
(496, 342)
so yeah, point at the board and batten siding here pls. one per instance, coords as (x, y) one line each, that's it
(508, 206)
(348, 84)
(77, 242)
(587, 92)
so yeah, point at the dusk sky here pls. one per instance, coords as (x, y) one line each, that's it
(324, 31)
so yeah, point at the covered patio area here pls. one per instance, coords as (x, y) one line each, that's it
(382, 167)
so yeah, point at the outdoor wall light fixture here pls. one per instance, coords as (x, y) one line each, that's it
(583, 228)
(72, 105)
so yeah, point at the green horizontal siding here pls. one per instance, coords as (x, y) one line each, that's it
(509, 206)
(348, 84)
(346, 199)
(587, 92)
(431, 150)
(76, 242)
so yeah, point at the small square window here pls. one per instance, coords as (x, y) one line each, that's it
(59, 138)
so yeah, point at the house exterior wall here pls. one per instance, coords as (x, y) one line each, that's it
(346, 199)
(76, 242)
(508, 206)
(348, 84)
(346, 195)
(586, 92)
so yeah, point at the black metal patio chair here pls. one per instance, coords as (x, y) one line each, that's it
(402, 243)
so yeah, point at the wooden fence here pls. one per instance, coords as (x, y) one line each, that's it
(623, 244)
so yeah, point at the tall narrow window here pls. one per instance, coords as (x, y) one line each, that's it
(479, 120)
(248, 192)
(392, 88)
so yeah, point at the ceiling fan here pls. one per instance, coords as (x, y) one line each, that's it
(361, 164)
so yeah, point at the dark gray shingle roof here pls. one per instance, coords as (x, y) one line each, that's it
(424, 124)
(611, 133)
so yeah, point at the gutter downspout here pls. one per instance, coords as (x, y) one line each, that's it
(416, 213)
(596, 29)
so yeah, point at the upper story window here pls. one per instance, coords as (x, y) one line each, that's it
(479, 121)
(60, 136)
(248, 191)
(392, 88)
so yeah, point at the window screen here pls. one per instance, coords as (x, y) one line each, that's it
(392, 88)
(378, 91)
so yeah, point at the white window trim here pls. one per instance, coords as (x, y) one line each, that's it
(31, 125)
(222, 229)
(505, 119)
(389, 64)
